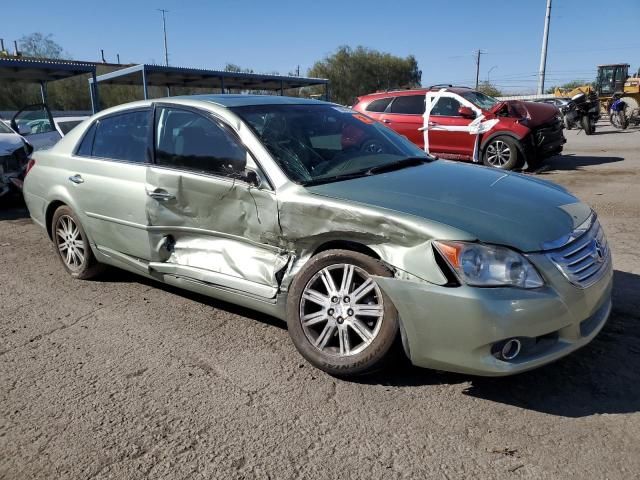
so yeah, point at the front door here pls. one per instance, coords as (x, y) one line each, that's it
(207, 221)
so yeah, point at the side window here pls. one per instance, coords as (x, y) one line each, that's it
(409, 105)
(122, 137)
(446, 107)
(190, 141)
(379, 106)
(84, 150)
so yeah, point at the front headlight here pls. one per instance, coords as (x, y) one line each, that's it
(489, 265)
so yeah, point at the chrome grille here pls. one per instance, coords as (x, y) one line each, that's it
(583, 261)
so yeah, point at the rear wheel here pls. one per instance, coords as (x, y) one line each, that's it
(338, 317)
(72, 246)
(502, 152)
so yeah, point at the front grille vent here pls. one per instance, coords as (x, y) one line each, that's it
(583, 261)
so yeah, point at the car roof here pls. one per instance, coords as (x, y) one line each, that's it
(231, 100)
(414, 91)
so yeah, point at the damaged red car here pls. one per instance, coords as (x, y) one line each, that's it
(464, 124)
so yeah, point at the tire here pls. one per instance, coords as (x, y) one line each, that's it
(77, 257)
(334, 337)
(567, 123)
(502, 152)
(587, 125)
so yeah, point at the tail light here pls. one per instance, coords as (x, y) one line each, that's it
(30, 164)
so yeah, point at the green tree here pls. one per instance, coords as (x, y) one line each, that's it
(358, 71)
(41, 46)
(489, 89)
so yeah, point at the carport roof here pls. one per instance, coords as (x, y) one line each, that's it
(41, 70)
(163, 76)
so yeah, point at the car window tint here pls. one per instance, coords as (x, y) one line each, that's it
(379, 105)
(409, 105)
(190, 141)
(66, 127)
(446, 107)
(86, 146)
(122, 137)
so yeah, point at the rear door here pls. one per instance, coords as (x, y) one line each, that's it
(36, 124)
(449, 131)
(207, 221)
(404, 115)
(107, 177)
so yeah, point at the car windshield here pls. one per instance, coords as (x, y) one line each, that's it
(4, 128)
(322, 142)
(479, 99)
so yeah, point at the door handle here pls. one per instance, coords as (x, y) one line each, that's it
(432, 124)
(386, 121)
(161, 195)
(77, 178)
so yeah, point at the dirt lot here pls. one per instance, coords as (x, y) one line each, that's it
(124, 378)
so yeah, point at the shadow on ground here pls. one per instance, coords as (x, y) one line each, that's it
(573, 162)
(600, 378)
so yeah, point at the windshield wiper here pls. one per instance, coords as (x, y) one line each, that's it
(389, 167)
(399, 165)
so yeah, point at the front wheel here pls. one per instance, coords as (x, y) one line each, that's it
(338, 317)
(502, 152)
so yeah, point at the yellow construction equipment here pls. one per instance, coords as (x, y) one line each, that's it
(612, 79)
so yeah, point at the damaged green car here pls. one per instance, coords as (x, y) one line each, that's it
(320, 216)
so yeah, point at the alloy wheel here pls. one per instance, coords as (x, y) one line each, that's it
(498, 153)
(341, 310)
(70, 242)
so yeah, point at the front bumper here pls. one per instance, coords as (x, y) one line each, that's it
(454, 328)
(546, 140)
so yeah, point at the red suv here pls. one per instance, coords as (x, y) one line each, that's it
(517, 134)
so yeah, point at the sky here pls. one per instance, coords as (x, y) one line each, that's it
(280, 35)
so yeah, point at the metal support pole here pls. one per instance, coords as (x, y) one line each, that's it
(93, 93)
(326, 91)
(43, 92)
(221, 84)
(144, 83)
(543, 53)
(164, 29)
(281, 88)
(168, 91)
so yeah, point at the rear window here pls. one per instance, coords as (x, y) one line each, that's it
(379, 105)
(409, 105)
(119, 137)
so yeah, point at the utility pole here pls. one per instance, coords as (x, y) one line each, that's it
(164, 29)
(543, 53)
(478, 53)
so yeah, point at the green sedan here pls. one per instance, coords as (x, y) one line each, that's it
(320, 216)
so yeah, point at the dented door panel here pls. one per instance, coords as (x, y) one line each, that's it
(216, 229)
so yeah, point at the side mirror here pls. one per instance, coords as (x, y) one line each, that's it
(253, 179)
(466, 112)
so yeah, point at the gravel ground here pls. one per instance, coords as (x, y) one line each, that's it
(125, 378)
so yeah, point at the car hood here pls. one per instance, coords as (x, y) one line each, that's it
(489, 204)
(536, 113)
